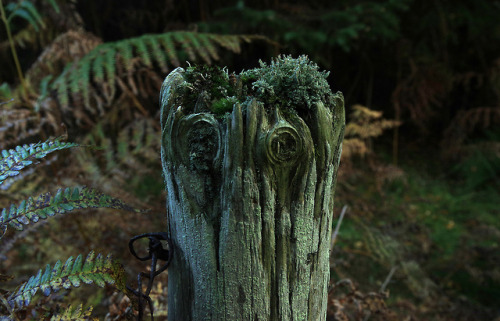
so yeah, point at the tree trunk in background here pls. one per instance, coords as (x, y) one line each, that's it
(250, 208)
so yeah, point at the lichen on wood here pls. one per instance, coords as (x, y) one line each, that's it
(250, 164)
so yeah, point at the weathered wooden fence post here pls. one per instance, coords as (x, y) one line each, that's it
(250, 165)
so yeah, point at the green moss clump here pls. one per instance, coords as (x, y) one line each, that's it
(290, 83)
(210, 84)
(223, 105)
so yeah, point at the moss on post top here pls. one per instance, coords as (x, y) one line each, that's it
(292, 84)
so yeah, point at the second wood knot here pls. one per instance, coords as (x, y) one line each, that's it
(283, 144)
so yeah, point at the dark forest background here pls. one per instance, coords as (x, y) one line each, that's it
(420, 171)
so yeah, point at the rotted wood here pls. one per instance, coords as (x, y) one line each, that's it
(250, 208)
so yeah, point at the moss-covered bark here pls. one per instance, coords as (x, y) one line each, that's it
(250, 198)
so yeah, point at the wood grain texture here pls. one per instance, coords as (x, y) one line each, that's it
(250, 208)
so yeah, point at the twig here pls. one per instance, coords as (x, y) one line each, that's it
(337, 228)
(6, 102)
(388, 279)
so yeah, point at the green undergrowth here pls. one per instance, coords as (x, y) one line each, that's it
(441, 233)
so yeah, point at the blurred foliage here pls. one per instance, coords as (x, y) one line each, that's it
(424, 202)
(480, 168)
(344, 24)
(442, 241)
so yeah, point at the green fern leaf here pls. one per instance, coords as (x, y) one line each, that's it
(73, 314)
(126, 53)
(109, 65)
(106, 144)
(84, 82)
(180, 38)
(65, 200)
(14, 160)
(196, 45)
(122, 143)
(22, 13)
(102, 60)
(97, 65)
(61, 85)
(208, 45)
(28, 6)
(27, 11)
(167, 42)
(158, 53)
(96, 269)
(142, 49)
(54, 5)
(43, 92)
(75, 82)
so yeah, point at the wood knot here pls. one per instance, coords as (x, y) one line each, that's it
(203, 145)
(198, 141)
(284, 145)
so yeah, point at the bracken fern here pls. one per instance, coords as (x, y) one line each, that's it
(99, 68)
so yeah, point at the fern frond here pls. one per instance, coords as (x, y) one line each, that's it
(196, 45)
(85, 79)
(97, 71)
(142, 48)
(126, 53)
(75, 83)
(158, 53)
(209, 46)
(67, 47)
(229, 42)
(61, 85)
(10, 181)
(107, 145)
(167, 41)
(97, 65)
(94, 269)
(14, 160)
(25, 10)
(127, 163)
(65, 200)
(181, 39)
(109, 66)
(370, 129)
(354, 146)
(137, 143)
(74, 314)
(367, 123)
(23, 38)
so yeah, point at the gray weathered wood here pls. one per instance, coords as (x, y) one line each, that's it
(250, 201)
